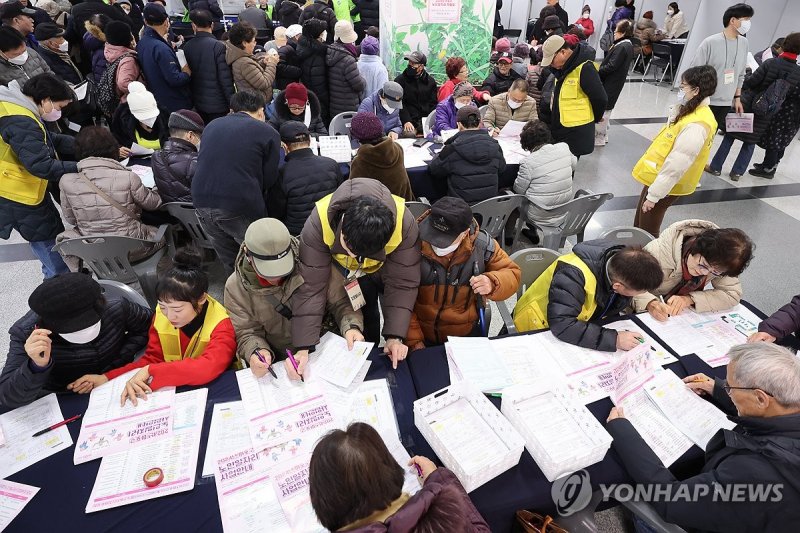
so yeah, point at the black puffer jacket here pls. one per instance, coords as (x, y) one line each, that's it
(419, 97)
(496, 83)
(567, 296)
(769, 71)
(212, 80)
(580, 139)
(288, 69)
(322, 11)
(311, 54)
(369, 11)
(24, 135)
(302, 180)
(64, 70)
(289, 13)
(614, 70)
(212, 6)
(345, 82)
(123, 332)
(173, 170)
(283, 115)
(472, 162)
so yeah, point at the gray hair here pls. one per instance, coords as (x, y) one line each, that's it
(768, 367)
(250, 3)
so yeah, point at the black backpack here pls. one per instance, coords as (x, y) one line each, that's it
(106, 90)
(770, 101)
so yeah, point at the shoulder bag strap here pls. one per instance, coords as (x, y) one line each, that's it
(116, 205)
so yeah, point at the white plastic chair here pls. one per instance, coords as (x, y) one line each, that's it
(627, 235)
(532, 262)
(340, 124)
(427, 124)
(495, 212)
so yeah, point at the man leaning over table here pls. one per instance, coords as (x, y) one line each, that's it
(762, 396)
(258, 297)
(71, 330)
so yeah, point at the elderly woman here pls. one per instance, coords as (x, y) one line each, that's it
(692, 254)
(762, 396)
(248, 72)
(30, 153)
(296, 103)
(446, 109)
(356, 485)
(104, 197)
(457, 72)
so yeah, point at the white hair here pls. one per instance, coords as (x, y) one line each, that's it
(768, 367)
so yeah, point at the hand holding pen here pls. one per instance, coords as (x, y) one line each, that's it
(700, 384)
(296, 364)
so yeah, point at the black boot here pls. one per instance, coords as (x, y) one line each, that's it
(763, 172)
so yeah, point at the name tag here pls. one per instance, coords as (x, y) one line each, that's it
(729, 76)
(354, 293)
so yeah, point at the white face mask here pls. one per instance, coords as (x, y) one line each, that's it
(64, 47)
(441, 252)
(82, 336)
(459, 105)
(324, 36)
(670, 12)
(744, 28)
(586, 15)
(20, 59)
(514, 105)
(388, 108)
(149, 122)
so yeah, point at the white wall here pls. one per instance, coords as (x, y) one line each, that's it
(790, 21)
(767, 18)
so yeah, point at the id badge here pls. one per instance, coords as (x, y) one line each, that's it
(354, 293)
(729, 76)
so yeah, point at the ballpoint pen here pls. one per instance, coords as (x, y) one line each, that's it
(294, 364)
(269, 366)
(479, 301)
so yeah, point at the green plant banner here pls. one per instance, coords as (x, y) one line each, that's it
(439, 29)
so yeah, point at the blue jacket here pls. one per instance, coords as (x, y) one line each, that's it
(445, 116)
(163, 73)
(373, 72)
(391, 122)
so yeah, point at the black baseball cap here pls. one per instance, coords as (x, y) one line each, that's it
(154, 13)
(47, 30)
(294, 131)
(416, 57)
(448, 218)
(9, 10)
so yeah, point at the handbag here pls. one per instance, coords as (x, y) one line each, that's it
(536, 523)
(607, 40)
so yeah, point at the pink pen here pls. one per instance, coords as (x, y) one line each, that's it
(419, 470)
(294, 364)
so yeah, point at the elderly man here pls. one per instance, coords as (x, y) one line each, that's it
(513, 105)
(762, 395)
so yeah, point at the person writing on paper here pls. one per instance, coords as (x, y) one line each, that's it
(297, 104)
(514, 105)
(692, 254)
(356, 485)
(365, 234)
(139, 120)
(780, 325)
(104, 197)
(71, 330)
(726, 53)
(191, 339)
(757, 91)
(378, 156)
(672, 165)
(596, 281)
(386, 105)
(259, 293)
(462, 267)
(762, 396)
(544, 177)
(470, 160)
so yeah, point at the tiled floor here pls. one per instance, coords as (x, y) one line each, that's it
(768, 210)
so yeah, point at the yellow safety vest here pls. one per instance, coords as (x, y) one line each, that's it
(648, 167)
(574, 107)
(146, 143)
(16, 183)
(170, 336)
(530, 313)
(369, 265)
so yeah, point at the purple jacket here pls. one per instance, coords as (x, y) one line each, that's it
(784, 321)
(445, 116)
(621, 13)
(407, 517)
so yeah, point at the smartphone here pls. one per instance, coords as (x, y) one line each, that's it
(419, 143)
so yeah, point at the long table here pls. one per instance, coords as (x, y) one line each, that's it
(525, 486)
(65, 488)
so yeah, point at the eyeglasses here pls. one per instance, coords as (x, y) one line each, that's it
(296, 106)
(727, 388)
(704, 267)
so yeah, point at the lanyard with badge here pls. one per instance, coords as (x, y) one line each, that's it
(730, 73)
(353, 288)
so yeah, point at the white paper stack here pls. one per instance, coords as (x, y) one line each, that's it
(469, 435)
(561, 435)
(337, 147)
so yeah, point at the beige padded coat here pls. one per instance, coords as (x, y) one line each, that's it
(93, 215)
(248, 73)
(498, 113)
(726, 291)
